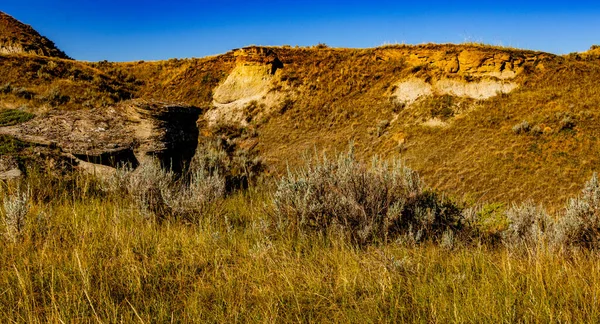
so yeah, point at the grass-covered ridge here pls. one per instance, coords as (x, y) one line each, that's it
(145, 245)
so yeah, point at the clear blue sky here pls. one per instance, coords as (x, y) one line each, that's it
(124, 30)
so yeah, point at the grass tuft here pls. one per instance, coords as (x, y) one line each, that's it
(12, 117)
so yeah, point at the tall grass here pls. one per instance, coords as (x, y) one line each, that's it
(92, 255)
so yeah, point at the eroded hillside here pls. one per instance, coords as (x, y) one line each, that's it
(493, 124)
(481, 122)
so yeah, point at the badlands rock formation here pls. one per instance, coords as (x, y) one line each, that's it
(127, 134)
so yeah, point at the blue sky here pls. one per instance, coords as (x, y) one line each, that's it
(124, 30)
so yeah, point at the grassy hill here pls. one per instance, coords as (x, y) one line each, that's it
(323, 98)
(16, 37)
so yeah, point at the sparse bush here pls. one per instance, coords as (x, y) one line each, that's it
(286, 105)
(382, 126)
(16, 207)
(567, 123)
(528, 225)
(521, 128)
(536, 130)
(54, 97)
(190, 196)
(240, 167)
(442, 107)
(23, 93)
(6, 88)
(367, 204)
(148, 186)
(580, 226)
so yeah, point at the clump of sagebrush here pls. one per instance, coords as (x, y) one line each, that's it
(16, 206)
(528, 226)
(200, 186)
(240, 167)
(580, 226)
(521, 128)
(161, 193)
(368, 203)
(148, 186)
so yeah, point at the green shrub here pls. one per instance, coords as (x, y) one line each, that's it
(10, 145)
(486, 223)
(12, 117)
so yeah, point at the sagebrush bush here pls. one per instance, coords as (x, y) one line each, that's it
(580, 226)
(528, 226)
(240, 167)
(16, 206)
(367, 203)
(567, 123)
(521, 128)
(201, 186)
(148, 186)
(161, 193)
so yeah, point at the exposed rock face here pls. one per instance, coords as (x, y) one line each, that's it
(467, 72)
(250, 80)
(259, 56)
(472, 61)
(129, 133)
(16, 37)
(408, 91)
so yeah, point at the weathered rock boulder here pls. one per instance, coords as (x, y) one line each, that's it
(9, 168)
(127, 134)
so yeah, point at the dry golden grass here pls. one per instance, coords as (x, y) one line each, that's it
(88, 256)
(41, 83)
(78, 253)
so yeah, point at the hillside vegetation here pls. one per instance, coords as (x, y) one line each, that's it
(324, 98)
